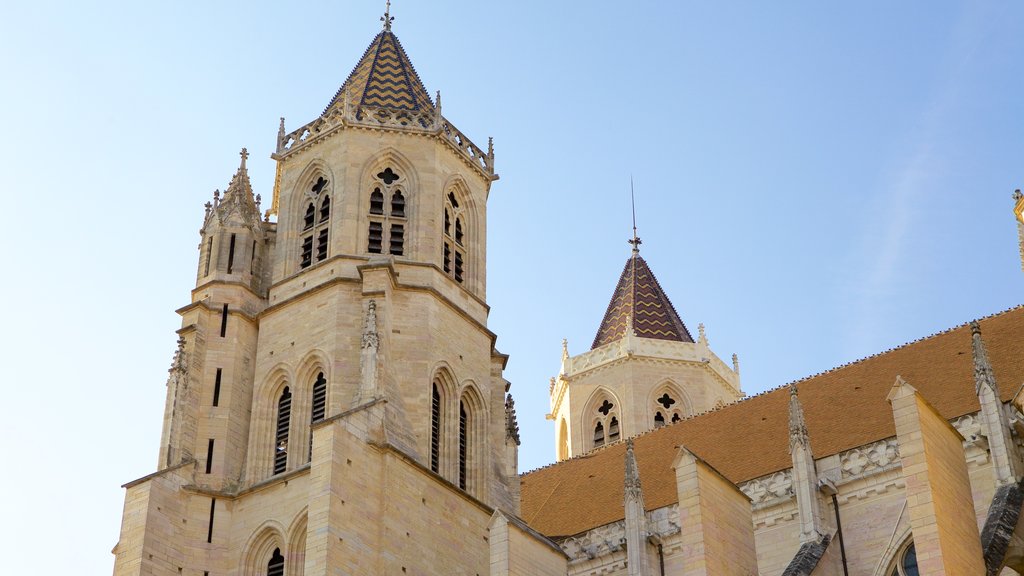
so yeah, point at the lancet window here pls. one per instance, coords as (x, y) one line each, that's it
(606, 424)
(435, 429)
(667, 409)
(316, 224)
(319, 407)
(284, 413)
(463, 443)
(275, 566)
(387, 225)
(455, 241)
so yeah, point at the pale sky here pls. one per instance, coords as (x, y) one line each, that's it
(815, 183)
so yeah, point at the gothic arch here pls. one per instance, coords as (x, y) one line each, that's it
(902, 537)
(470, 240)
(264, 420)
(408, 183)
(295, 558)
(601, 419)
(563, 440)
(312, 364)
(678, 403)
(442, 394)
(471, 438)
(267, 537)
(298, 201)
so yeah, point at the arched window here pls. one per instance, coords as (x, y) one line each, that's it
(319, 398)
(387, 228)
(463, 443)
(319, 407)
(563, 440)
(284, 412)
(905, 563)
(668, 408)
(454, 256)
(435, 429)
(316, 230)
(275, 566)
(606, 422)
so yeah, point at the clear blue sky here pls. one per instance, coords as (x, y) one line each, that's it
(815, 183)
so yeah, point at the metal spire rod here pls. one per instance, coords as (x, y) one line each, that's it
(635, 241)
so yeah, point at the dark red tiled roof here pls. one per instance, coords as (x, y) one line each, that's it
(845, 407)
(638, 298)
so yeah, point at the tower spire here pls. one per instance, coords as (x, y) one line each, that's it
(387, 18)
(635, 241)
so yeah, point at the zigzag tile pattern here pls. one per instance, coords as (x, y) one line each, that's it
(384, 77)
(639, 297)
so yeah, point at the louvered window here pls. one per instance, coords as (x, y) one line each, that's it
(316, 225)
(387, 227)
(598, 435)
(659, 420)
(319, 408)
(453, 257)
(284, 412)
(397, 239)
(275, 567)
(613, 429)
(376, 202)
(463, 442)
(398, 204)
(435, 429)
(376, 238)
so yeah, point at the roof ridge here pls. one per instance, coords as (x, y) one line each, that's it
(900, 346)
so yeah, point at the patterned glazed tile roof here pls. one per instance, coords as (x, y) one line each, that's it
(384, 77)
(638, 298)
(844, 408)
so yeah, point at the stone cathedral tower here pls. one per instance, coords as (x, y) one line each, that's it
(336, 404)
(643, 371)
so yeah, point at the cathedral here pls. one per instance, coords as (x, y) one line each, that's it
(336, 404)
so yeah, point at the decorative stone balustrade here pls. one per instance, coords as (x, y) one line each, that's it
(426, 122)
(649, 347)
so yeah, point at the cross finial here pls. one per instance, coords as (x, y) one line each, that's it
(387, 18)
(245, 155)
(635, 241)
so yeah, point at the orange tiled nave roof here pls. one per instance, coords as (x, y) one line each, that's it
(845, 408)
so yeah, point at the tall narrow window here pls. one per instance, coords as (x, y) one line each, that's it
(252, 258)
(599, 435)
(209, 527)
(387, 222)
(231, 254)
(435, 430)
(209, 256)
(454, 252)
(606, 427)
(275, 567)
(319, 398)
(613, 429)
(284, 412)
(216, 388)
(659, 420)
(209, 456)
(463, 442)
(316, 225)
(319, 407)
(224, 321)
